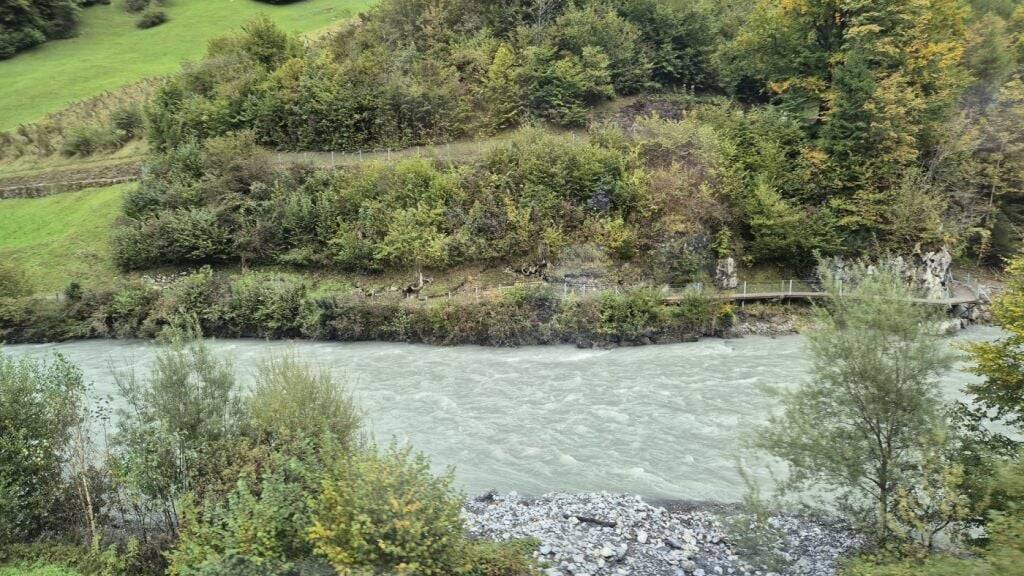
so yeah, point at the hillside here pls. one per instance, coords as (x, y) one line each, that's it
(109, 51)
(61, 238)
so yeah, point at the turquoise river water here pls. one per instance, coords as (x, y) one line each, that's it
(661, 421)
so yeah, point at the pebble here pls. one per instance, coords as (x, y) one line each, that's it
(645, 539)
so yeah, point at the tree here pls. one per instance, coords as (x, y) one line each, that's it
(26, 23)
(1001, 363)
(500, 91)
(40, 404)
(171, 435)
(860, 424)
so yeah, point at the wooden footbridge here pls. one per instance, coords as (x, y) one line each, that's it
(960, 294)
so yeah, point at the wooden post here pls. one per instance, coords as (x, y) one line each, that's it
(791, 286)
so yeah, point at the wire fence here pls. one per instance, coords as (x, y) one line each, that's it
(966, 289)
(575, 289)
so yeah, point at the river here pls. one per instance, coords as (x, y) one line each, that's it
(660, 421)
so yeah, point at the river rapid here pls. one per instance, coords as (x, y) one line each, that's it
(659, 421)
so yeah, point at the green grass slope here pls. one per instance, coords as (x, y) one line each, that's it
(61, 238)
(110, 51)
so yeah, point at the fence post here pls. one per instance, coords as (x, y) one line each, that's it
(791, 286)
(744, 287)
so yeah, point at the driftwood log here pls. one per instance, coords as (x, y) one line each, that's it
(413, 290)
(595, 521)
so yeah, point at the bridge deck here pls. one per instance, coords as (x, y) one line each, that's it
(961, 295)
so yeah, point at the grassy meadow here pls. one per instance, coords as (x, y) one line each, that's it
(110, 51)
(60, 238)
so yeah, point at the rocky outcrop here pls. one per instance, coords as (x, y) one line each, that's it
(726, 277)
(930, 272)
(606, 534)
(926, 271)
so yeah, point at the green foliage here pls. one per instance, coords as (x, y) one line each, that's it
(173, 430)
(1002, 555)
(262, 526)
(40, 403)
(494, 66)
(1000, 362)
(151, 18)
(630, 316)
(290, 400)
(524, 198)
(863, 421)
(513, 558)
(26, 24)
(265, 306)
(387, 511)
(56, 559)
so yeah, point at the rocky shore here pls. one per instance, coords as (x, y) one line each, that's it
(599, 534)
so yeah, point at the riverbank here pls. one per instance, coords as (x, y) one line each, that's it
(601, 534)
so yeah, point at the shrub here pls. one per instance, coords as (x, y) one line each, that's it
(13, 282)
(514, 558)
(172, 435)
(192, 298)
(630, 316)
(40, 403)
(290, 400)
(129, 307)
(57, 559)
(265, 306)
(388, 512)
(151, 19)
(260, 522)
(136, 5)
(127, 121)
(88, 139)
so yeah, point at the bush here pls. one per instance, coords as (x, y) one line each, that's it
(176, 432)
(55, 559)
(40, 403)
(513, 558)
(151, 19)
(89, 139)
(265, 306)
(13, 282)
(388, 512)
(26, 24)
(630, 316)
(259, 522)
(290, 400)
(127, 121)
(136, 5)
